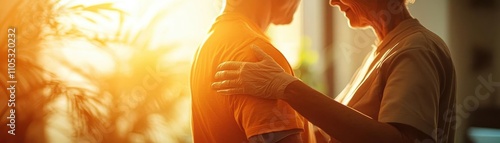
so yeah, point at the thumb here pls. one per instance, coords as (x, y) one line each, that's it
(259, 53)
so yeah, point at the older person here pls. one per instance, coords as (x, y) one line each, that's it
(403, 92)
(237, 119)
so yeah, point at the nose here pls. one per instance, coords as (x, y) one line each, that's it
(335, 2)
(338, 3)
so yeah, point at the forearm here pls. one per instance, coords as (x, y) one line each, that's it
(339, 121)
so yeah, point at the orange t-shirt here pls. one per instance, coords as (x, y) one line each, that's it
(234, 119)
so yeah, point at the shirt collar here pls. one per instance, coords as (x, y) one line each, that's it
(232, 16)
(401, 31)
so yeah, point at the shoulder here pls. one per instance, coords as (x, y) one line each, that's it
(421, 51)
(425, 45)
(233, 36)
(424, 40)
(233, 31)
(229, 40)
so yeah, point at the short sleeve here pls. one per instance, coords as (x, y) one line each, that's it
(411, 95)
(259, 116)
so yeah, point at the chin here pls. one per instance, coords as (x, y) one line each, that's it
(357, 25)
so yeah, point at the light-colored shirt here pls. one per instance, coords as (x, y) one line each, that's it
(408, 79)
(234, 119)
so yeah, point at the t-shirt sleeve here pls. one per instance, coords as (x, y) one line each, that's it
(411, 95)
(259, 116)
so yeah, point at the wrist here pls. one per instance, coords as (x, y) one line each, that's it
(285, 79)
(291, 90)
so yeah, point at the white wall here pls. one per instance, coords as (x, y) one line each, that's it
(433, 14)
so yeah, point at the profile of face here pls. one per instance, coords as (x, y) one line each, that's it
(282, 11)
(360, 13)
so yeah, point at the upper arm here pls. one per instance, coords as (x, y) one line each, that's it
(247, 54)
(293, 138)
(258, 116)
(411, 96)
(410, 134)
(287, 136)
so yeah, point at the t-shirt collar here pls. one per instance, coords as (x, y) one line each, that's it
(393, 35)
(231, 16)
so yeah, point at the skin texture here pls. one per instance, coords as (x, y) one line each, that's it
(264, 13)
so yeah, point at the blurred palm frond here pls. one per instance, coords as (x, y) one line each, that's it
(104, 108)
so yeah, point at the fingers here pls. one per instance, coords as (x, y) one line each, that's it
(259, 53)
(226, 84)
(228, 87)
(231, 91)
(230, 65)
(227, 75)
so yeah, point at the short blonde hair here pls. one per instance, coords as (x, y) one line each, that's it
(409, 1)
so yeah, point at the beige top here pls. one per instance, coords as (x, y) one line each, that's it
(409, 79)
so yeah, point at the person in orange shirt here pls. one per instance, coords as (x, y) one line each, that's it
(237, 119)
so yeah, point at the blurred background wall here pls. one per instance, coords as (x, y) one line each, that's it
(474, 39)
